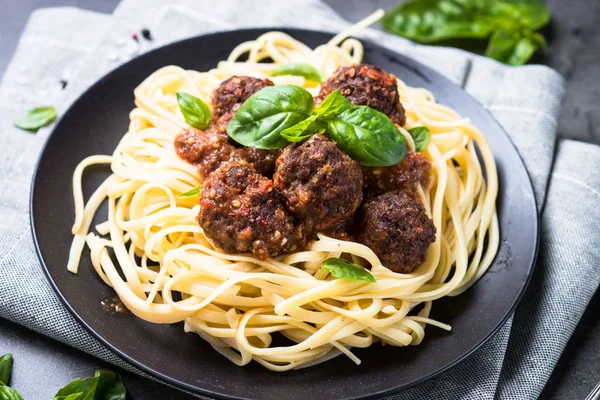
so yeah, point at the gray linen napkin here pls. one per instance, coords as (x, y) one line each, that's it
(515, 363)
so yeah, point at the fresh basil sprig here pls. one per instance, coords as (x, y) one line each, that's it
(194, 110)
(6, 392)
(6, 362)
(104, 385)
(260, 120)
(512, 25)
(343, 269)
(304, 70)
(37, 118)
(192, 192)
(277, 115)
(420, 135)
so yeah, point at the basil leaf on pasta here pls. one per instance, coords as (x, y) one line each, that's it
(304, 129)
(343, 269)
(420, 135)
(367, 136)
(37, 118)
(192, 192)
(333, 104)
(297, 69)
(261, 119)
(194, 110)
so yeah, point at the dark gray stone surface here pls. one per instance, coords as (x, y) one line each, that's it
(43, 365)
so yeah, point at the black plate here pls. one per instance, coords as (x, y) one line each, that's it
(94, 125)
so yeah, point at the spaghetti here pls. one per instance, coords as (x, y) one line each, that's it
(165, 270)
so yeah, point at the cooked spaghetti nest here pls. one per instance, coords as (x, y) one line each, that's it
(165, 270)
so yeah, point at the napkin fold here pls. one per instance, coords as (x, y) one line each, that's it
(80, 46)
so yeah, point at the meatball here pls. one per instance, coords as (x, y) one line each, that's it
(412, 170)
(366, 85)
(263, 160)
(395, 226)
(241, 211)
(206, 150)
(342, 230)
(230, 95)
(319, 181)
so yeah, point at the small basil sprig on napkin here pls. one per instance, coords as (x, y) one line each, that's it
(420, 135)
(278, 115)
(304, 70)
(37, 118)
(342, 269)
(511, 24)
(194, 110)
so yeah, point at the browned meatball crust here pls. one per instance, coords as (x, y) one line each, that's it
(319, 181)
(242, 212)
(230, 95)
(367, 85)
(412, 170)
(395, 226)
(206, 150)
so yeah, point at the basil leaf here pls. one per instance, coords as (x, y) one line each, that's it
(305, 70)
(261, 119)
(192, 192)
(74, 396)
(420, 135)
(343, 269)
(6, 362)
(367, 136)
(7, 393)
(502, 45)
(37, 118)
(194, 110)
(430, 21)
(110, 386)
(86, 388)
(333, 104)
(523, 52)
(303, 129)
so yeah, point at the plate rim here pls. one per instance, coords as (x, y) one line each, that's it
(179, 385)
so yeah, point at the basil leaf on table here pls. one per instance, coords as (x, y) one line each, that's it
(6, 362)
(261, 119)
(420, 135)
(86, 388)
(367, 136)
(342, 269)
(74, 396)
(303, 129)
(110, 386)
(194, 110)
(305, 70)
(511, 25)
(37, 118)
(7, 393)
(333, 104)
(191, 192)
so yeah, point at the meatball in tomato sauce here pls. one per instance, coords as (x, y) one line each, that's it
(397, 228)
(242, 212)
(413, 170)
(230, 95)
(319, 182)
(367, 85)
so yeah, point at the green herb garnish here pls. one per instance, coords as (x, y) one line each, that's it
(277, 115)
(194, 110)
(304, 70)
(511, 25)
(192, 192)
(420, 135)
(343, 269)
(37, 118)
(6, 362)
